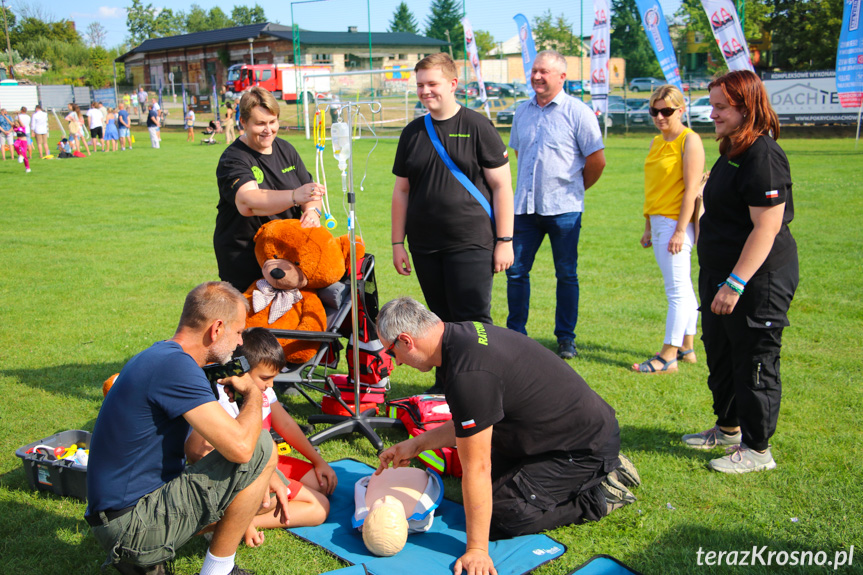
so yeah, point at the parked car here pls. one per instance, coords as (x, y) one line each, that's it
(636, 103)
(461, 91)
(513, 90)
(700, 111)
(420, 110)
(644, 84)
(575, 87)
(495, 105)
(491, 89)
(699, 83)
(506, 115)
(640, 116)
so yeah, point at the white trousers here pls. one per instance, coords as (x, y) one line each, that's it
(682, 316)
(154, 136)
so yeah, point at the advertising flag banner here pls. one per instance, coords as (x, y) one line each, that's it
(728, 33)
(600, 45)
(215, 98)
(185, 105)
(653, 20)
(473, 56)
(849, 58)
(528, 50)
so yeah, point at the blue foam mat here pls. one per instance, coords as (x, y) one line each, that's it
(603, 565)
(436, 550)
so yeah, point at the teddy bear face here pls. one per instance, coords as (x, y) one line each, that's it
(284, 275)
(310, 253)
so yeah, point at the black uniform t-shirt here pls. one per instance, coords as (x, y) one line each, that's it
(759, 177)
(535, 401)
(233, 239)
(442, 215)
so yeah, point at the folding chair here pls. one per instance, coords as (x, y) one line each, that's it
(307, 376)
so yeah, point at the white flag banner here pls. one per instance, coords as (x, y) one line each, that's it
(728, 33)
(473, 56)
(600, 46)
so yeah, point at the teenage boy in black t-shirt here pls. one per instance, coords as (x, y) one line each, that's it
(538, 447)
(454, 246)
(261, 178)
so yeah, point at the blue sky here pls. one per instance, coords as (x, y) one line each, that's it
(494, 16)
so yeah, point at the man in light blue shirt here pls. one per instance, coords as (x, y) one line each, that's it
(559, 148)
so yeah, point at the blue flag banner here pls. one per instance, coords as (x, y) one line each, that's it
(215, 98)
(185, 106)
(653, 20)
(849, 58)
(528, 50)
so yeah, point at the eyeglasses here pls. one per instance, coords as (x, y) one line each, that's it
(666, 112)
(390, 351)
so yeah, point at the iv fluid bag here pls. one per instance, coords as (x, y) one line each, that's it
(341, 138)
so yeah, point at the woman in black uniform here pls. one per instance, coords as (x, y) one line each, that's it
(261, 178)
(748, 276)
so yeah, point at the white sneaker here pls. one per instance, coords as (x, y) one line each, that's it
(27, 171)
(20, 159)
(742, 459)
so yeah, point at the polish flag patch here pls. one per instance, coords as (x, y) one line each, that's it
(771, 194)
(468, 424)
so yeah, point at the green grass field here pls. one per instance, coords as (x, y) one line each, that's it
(98, 254)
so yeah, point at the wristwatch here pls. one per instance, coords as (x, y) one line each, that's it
(504, 239)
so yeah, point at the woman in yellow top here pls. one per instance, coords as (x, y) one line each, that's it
(672, 178)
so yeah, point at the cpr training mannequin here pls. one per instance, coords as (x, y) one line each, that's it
(295, 263)
(391, 505)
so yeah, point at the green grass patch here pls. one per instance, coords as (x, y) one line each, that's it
(97, 254)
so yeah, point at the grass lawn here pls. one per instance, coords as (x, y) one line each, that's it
(98, 254)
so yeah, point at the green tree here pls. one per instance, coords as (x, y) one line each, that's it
(555, 33)
(445, 18)
(98, 73)
(404, 20)
(629, 40)
(199, 20)
(31, 27)
(217, 19)
(145, 21)
(757, 19)
(167, 23)
(244, 16)
(805, 34)
(195, 19)
(140, 22)
(484, 42)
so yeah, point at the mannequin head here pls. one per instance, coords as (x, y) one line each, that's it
(385, 529)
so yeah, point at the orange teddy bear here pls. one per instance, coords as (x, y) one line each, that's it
(296, 262)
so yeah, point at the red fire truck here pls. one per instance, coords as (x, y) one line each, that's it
(280, 79)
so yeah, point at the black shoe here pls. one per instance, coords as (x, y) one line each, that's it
(434, 390)
(566, 349)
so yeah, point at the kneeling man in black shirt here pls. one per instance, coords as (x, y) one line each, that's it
(538, 447)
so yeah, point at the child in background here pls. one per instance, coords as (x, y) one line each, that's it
(309, 483)
(190, 125)
(22, 147)
(65, 149)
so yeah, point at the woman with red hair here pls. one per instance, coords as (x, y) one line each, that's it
(748, 276)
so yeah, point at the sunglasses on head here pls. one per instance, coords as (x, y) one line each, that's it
(666, 112)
